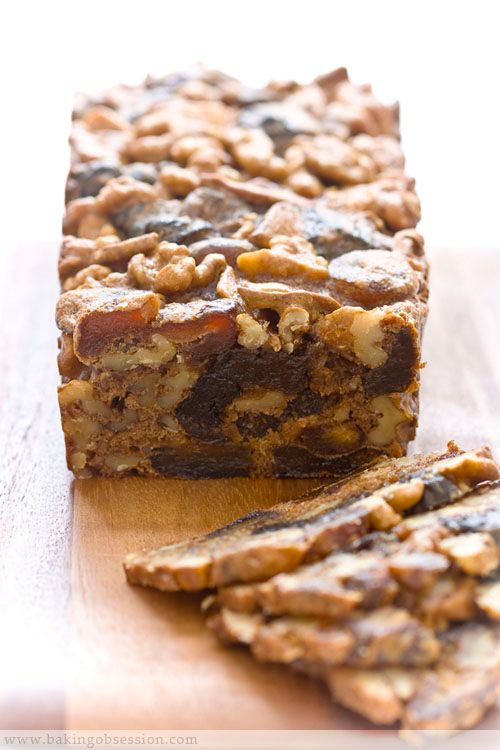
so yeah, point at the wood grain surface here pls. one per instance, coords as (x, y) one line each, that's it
(81, 649)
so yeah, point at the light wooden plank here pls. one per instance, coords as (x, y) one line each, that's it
(35, 497)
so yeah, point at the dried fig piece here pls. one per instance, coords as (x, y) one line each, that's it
(219, 207)
(334, 232)
(163, 218)
(88, 179)
(205, 461)
(399, 370)
(372, 278)
(281, 121)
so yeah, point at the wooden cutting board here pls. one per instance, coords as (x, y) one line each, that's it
(81, 649)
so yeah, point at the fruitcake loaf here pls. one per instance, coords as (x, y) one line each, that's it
(243, 289)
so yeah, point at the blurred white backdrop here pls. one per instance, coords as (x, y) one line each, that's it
(440, 59)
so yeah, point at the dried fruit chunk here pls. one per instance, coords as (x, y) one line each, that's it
(280, 121)
(97, 319)
(372, 278)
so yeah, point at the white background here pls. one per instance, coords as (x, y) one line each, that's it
(440, 59)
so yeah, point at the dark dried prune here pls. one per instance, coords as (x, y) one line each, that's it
(265, 368)
(336, 232)
(256, 425)
(306, 403)
(163, 218)
(218, 207)
(180, 229)
(203, 461)
(293, 461)
(484, 520)
(438, 493)
(88, 181)
(141, 171)
(399, 370)
(200, 414)
(280, 121)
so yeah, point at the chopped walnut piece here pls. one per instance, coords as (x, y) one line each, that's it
(199, 151)
(118, 193)
(402, 496)
(226, 286)
(294, 322)
(279, 297)
(179, 181)
(391, 198)
(251, 333)
(384, 150)
(335, 161)
(78, 254)
(89, 145)
(488, 599)
(281, 219)
(257, 191)
(352, 330)
(123, 191)
(122, 461)
(259, 400)
(161, 352)
(357, 109)
(390, 416)
(254, 150)
(172, 269)
(304, 183)
(93, 225)
(417, 570)
(150, 148)
(74, 391)
(474, 553)
(93, 272)
(287, 256)
(104, 118)
(370, 692)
